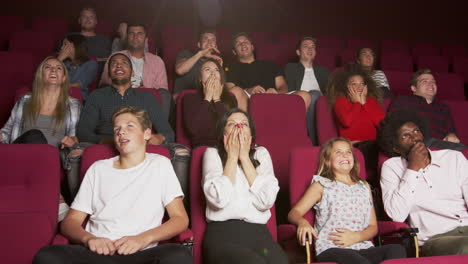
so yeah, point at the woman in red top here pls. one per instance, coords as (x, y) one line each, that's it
(356, 104)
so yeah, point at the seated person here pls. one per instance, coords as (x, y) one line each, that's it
(424, 88)
(47, 115)
(305, 76)
(356, 104)
(120, 43)
(249, 76)
(81, 70)
(95, 125)
(355, 101)
(428, 189)
(125, 198)
(188, 63)
(201, 111)
(240, 188)
(345, 217)
(366, 59)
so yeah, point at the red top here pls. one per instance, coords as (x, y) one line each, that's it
(356, 121)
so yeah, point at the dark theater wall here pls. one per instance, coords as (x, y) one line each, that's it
(399, 19)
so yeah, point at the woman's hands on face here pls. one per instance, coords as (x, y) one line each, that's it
(244, 142)
(231, 143)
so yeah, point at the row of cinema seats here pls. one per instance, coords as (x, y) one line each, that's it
(30, 198)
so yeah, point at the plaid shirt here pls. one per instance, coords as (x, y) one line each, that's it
(14, 126)
(441, 122)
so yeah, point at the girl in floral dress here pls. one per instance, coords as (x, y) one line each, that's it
(345, 217)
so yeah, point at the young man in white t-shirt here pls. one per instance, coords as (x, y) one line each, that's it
(125, 198)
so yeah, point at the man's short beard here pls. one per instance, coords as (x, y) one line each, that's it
(120, 81)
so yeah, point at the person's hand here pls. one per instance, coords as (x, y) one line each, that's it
(101, 246)
(354, 95)
(208, 88)
(418, 157)
(256, 89)
(271, 91)
(305, 230)
(231, 143)
(344, 237)
(451, 137)
(131, 244)
(156, 139)
(122, 31)
(68, 142)
(364, 95)
(216, 57)
(66, 51)
(217, 88)
(244, 143)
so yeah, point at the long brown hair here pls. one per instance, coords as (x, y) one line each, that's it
(324, 168)
(338, 85)
(228, 100)
(81, 48)
(33, 106)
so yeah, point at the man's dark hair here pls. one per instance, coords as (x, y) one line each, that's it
(116, 54)
(137, 24)
(240, 34)
(388, 130)
(205, 31)
(414, 78)
(299, 43)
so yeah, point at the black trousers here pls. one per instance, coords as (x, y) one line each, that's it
(236, 241)
(77, 254)
(373, 255)
(33, 136)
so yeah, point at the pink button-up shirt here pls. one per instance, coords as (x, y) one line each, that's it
(433, 199)
(154, 71)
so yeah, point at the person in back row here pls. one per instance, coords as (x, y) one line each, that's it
(249, 76)
(149, 70)
(367, 59)
(125, 198)
(81, 69)
(305, 76)
(428, 189)
(188, 63)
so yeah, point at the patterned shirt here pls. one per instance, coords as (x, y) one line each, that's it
(341, 206)
(441, 122)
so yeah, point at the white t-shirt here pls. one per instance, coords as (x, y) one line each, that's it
(309, 82)
(137, 78)
(127, 202)
(240, 201)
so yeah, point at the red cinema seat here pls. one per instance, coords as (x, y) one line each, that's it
(152, 91)
(399, 82)
(455, 259)
(326, 126)
(348, 56)
(396, 61)
(105, 27)
(390, 45)
(460, 66)
(449, 86)
(435, 63)
(278, 52)
(326, 57)
(198, 205)
(424, 48)
(181, 135)
(8, 25)
(29, 198)
(452, 51)
(457, 109)
(357, 43)
(58, 26)
(331, 42)
(44, 43)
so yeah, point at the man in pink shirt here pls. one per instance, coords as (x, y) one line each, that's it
(428, 189)
(149, 70)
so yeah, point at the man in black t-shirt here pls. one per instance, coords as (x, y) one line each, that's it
(248, 76)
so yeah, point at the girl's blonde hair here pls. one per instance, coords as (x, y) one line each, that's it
(33, 106)
(325, 169)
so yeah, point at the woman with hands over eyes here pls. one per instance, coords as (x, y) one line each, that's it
(240, 188)
(203, 109)
(345, 217)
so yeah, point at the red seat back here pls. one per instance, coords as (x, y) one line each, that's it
(331, 42)
(326, 57)
(460, 66)
(449, 86)
(325, 121)
(390, 45)
(435, 63)
(29, 197)
(348, 56)
(399, 82)
(153, 91)
(424, 48)
(58, 26)
(8, 25)
(457, 109)
(181, 136)
(357, 43)
(396, 61)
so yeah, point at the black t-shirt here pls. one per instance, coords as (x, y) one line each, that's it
(247, 75)
(187, 81)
